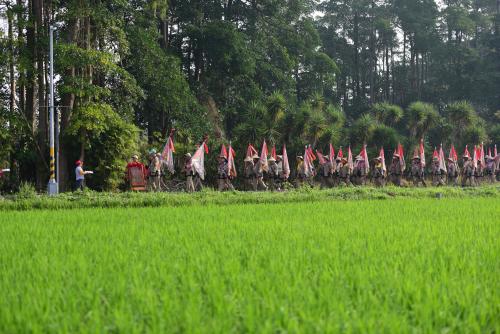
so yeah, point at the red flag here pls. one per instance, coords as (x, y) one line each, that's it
(401, 157)
(422, 152)
(286, 165)
(382, 156)
(495, 151)
(350, 162)
(309, 151)
(340, 154)
(466, 152)
(442, 162)
(453, 154)
(489, 151)
(307, 163)
(332, 153)
(223, 151)
(481, 156)
(205, 146)
(476, 157)
(364, 155)
(435, 154)
(251, 151)
(273, 152)
(230, 162)
(198, 160)
(263, 157)
(167, 156)
(321, 158)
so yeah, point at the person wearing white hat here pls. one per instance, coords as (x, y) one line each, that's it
(359, 172)
(273, 174)
(344, 173)
(258, 174)
(468, 172)
(378, 172)
(437, 174)
(249, 174)
(154, 167)
(417, 172)
(223, 181)
(301, 173)
(396, 170)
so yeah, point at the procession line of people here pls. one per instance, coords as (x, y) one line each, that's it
(270, 171)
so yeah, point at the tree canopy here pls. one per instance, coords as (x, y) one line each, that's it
(287, 71)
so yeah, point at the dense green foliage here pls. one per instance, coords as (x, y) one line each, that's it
(405, 265)
(289, 71)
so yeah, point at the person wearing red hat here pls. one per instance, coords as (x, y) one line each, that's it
(80, 175)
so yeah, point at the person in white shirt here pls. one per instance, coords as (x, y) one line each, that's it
(80, 175)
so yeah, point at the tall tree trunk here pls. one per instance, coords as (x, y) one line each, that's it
(356, 57)
(22, 50)
(31, 65)
(12, 73)
(41, 172)
(387, 69)
(68, 103)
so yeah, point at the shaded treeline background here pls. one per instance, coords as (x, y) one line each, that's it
(288, 71)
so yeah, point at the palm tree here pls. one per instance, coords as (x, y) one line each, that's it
(460, 115)
(422, 117)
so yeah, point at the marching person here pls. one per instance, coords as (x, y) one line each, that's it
(258, 174)
(281, 179)
(490, 169)
(135, 174)
(189, 172)
(344, 173)
(437, 174)
(301, 172)
(359, 172)
(468, 171)
(378, 172)
(478, 173)
(222, 174)
(273, 174)
(417, 172)
(249, 174)
(325, 171)
(452, 172)
(396, 170)
(336, 171)
(154, 171)
(80, 175)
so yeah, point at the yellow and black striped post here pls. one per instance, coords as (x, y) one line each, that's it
(52, 187)
(52, 165)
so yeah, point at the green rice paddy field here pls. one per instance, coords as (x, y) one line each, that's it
(402, 265)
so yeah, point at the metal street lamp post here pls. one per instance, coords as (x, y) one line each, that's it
(53, 187)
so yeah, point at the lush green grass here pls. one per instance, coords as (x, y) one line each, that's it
(29, 200)
(404, 265)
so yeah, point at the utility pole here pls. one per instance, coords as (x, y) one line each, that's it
(53, 187)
